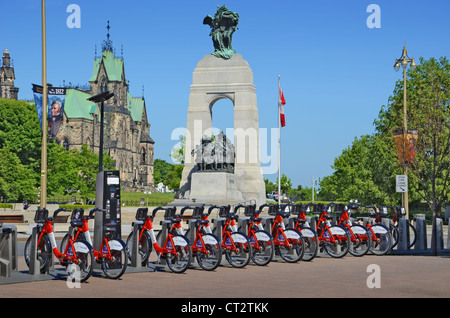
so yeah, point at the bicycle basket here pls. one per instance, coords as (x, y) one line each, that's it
(141, 214)
(41, 216)
(250, 210)
(170, 212)
(198, 211)
(77, 215)
(224, 210)
(273, 209)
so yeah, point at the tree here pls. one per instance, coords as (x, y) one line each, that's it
(17, 182)
(428, 109)
(177, 154)
(168, 174)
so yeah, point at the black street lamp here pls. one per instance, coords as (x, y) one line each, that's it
(101, 98)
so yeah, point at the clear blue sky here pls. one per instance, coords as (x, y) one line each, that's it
(336, 73)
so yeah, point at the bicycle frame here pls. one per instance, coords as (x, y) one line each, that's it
(69, 254)
(168, 246)
(279, 236)
(228, 241)
(106, 245)
(325, 223)
(345, 222)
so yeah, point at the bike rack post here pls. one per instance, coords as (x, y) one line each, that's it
(8, 250)
(165, 227)
(192, 227)
(243, 224)
(218, 227)
(34, 268)
(403, 234)
(421, 240)
(439, 234)
(136, 258)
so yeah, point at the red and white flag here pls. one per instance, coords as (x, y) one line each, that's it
(281, 103)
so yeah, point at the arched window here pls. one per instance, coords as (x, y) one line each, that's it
(143, 155)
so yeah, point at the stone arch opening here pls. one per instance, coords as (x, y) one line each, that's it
(222, 117)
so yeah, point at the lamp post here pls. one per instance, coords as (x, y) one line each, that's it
(404, 60)
(101, 98)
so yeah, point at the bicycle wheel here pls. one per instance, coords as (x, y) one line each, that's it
(237, 249)
(180, 259)
(412, 235)
(262, 247)
(394, 234)
(115, 267)
(62, 246)
(359, 240)
(81, 271)
(293, 251)
(337, 241)
(381, 239)
(311, 243)
(210, 255)
(43, 253)
(144, 247)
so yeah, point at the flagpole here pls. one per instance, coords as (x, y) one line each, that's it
(43, 203)
(279, 145)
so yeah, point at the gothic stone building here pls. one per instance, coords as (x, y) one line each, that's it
(126, 128)
(7, 77)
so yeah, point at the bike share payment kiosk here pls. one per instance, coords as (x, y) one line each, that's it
(107, 197)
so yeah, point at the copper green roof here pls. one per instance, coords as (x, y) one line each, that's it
(113, 67)
(135, 107)
(77, 105)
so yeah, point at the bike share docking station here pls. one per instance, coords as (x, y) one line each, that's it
(107, 197)
(8, 250)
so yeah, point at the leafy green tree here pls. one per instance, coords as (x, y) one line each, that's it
(20, 132)
(428, 109)
(17, 182)
(168, 174)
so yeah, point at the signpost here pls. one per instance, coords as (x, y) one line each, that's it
(401, 183)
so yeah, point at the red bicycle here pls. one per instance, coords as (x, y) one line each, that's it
(112, 254)
(360, 239)
(289, 243)
(235, 245)
(176, 248)
(206, 246)
(77, 257)
(309, 234)
(261, 240)
(333, 238)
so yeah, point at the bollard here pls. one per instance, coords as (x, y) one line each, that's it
(403, 234)
(439, 234)
(421, 239)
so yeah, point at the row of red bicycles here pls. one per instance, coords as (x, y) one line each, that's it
(241, 235)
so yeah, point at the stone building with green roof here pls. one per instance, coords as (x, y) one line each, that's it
(126, 128)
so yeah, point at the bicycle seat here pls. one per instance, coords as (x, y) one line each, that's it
(233, 216)
(110, 229)
(284, 214)
(255, 219)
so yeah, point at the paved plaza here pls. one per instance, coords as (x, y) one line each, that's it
(399, 276)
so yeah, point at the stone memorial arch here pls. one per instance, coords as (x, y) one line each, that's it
(212, 176)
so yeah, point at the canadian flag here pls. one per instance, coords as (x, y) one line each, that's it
(281, 103)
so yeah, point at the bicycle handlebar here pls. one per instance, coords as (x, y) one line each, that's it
(60, 210)
(91, 212)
